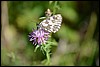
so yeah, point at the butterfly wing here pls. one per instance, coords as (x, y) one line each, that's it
(51, 24)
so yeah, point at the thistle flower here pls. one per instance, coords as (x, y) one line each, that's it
(39, 36)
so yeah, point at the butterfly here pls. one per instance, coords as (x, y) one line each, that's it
(51, 23)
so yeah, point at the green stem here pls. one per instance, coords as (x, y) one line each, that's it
(54, 8)
(48, 58)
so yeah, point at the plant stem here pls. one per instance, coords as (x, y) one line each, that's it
(48, 58)
(54, 8)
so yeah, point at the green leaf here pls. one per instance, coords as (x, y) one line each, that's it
(36, 48)
(42, 18)
(42, 50)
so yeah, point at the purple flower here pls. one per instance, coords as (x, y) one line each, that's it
(39, 36)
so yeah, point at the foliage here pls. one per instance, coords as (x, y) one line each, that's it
(75, 44)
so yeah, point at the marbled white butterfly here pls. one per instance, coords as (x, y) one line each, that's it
(51, 23)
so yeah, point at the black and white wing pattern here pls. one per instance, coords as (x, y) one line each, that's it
(52, 23)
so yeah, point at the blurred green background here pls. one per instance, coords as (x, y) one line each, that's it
(77, 40)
